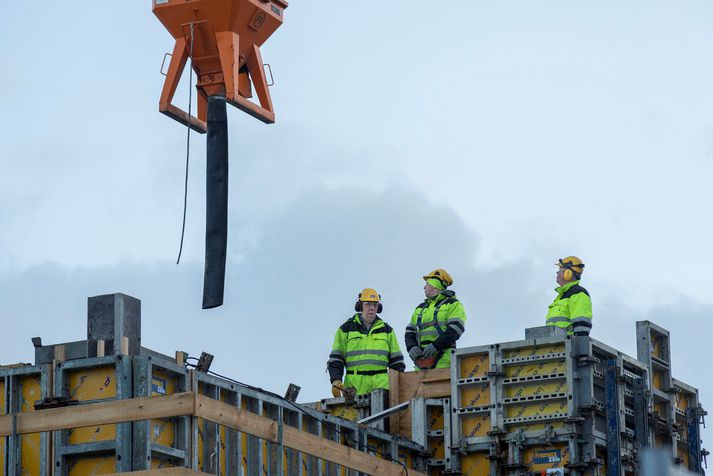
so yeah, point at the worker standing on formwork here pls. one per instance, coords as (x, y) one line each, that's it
(436, 324)
(367, 346)
(571, 310)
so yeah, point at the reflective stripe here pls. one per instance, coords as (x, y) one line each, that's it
(455, 319)
(428, 324)
(554, 319)
(336, 353)
(456, 328)
(356, 363)
(587, 321)
(395, 355)
(411, 327)
(352, 353)
(429, 333)
(335, 359)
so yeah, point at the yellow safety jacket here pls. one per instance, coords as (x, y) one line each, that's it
(366, 354)
(439, 321)
(571, 309)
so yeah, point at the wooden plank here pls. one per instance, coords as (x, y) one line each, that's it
(266, 428)
(162, 472)
(395, 419)
(435, 383)
(115, 411)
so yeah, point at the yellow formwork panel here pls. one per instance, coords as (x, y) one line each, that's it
(682, 453)
(163, 431)
(91, 466)
(536, 426)
(533, 350)
(602, 470)
(475, 395)
(542, 458)
(244, 443)
(223, 441)
(435, 418)
(656, 346)
(658, 380)
(94, 383)
(30, 444)
(475, 425)
(475, 464)
(348, 412)
(535, 368)
(527, 389)
(681, 399)
(474, 365)
(555, 407)
(157, 463)
(3, 440)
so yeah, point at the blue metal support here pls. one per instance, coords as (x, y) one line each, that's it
(612, 418)
(694, 440)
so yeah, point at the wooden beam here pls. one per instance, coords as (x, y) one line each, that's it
(103, 413)
(162, 472)
(266, 428)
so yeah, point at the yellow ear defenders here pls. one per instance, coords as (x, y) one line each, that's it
(368, 295)
(573, 267)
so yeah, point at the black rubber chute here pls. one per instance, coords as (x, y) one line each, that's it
(216, 223)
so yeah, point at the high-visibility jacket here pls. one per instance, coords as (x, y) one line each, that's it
(571, 309)
(366, 354)
(439, 320)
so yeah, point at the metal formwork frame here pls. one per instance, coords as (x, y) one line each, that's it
(214, 455)
(422, 433)
(121, 446)
(145, 449)
(691, 418)
(267, 458)
(12, 379)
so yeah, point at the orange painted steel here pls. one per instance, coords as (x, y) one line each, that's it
(225, 37)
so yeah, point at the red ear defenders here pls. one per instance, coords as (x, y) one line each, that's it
(358, 307)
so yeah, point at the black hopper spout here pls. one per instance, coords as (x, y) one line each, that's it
(216, 224)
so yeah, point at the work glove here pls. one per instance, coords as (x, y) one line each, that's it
(429, 351)
(337, 388)
(415, 353)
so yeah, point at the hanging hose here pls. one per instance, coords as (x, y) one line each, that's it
(216, 225)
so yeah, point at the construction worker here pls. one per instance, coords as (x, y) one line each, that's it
(436, 324)
(571, 310)
(367, 346)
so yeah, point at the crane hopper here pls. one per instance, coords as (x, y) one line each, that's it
(222, 38)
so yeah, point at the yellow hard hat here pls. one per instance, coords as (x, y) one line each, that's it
(441, 275)
(572, 265)
(369, 295)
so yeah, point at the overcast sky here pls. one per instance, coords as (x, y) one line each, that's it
(486, 137)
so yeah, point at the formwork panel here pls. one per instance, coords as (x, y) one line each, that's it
(539, 459)
(475, 464)
(93, 383)
(475, 395)
(523, 369)
(90, 466)
(31, 444)
(163, 431)
(536, 387)
(3, 411)
(534, 350)
(99, 449)
(475, 425)
(474, 365)
(556, 407)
